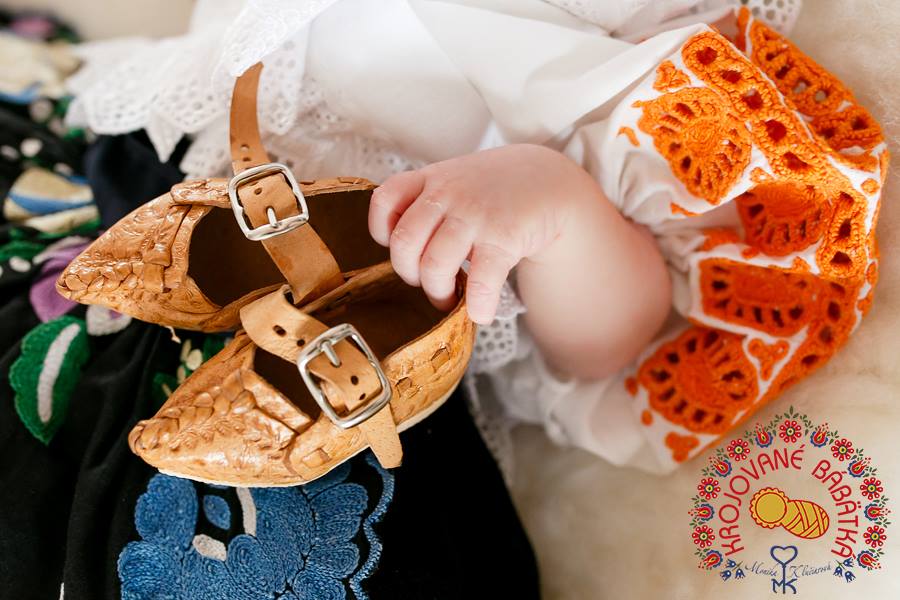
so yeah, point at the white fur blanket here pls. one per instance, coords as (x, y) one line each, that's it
(601, 532)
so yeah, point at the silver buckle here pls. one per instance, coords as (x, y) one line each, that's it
(324, 344)
(274, 226)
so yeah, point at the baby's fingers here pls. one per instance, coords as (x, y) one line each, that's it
(489, 269)
(412, 232)
(390, 200)
(442, 259)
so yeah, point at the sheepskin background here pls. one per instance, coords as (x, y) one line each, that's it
(603, 532)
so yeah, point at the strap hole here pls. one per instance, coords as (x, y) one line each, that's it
(244, 147)
(246, 159)
(279, 330)
(257, 191)
(354, 379)
(301, 342)
(362, 396)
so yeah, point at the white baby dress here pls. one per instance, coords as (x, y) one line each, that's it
(688, 132)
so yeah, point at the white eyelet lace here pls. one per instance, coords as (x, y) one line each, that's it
(779, 14)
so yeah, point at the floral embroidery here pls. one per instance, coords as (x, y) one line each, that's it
(46, 373)
(709, 488)
(669, 77)
(703, 512)
(871, 488)
(790, 431)
(703, 536)
(738, 450)
(875, 536)
(292, 543)
(842, 449)
(763, 436)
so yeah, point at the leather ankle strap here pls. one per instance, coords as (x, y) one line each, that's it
(280, 328)
(303, 258)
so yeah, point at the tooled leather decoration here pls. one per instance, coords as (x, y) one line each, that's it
(270, 441)
(140, 266)
(227, 423)
(774, 301)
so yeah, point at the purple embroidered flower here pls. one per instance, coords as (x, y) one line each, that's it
(45, 300)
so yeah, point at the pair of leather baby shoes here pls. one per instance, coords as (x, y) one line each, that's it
(333, 353)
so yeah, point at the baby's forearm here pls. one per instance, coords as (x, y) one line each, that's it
(598, 293)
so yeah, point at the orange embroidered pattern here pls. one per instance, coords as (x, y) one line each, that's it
(870, 186)
(768, 355)
(681, 446)
(797, 207)
(706, 144)
(775, 302)
(700, 380)
(780, 218)
(629, 133)
(669, 77)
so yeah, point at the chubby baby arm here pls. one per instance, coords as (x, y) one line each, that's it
(594, 284)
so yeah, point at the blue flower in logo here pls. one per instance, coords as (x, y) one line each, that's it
(297, 543)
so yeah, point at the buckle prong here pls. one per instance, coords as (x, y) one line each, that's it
(324, 344)
(275, 226)
(328, 350)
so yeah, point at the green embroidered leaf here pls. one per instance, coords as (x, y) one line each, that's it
(21, 248)
(46, 372)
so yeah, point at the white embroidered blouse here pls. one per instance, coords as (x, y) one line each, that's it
(365, 88)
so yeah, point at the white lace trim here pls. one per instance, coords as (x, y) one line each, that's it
(182, 86)
(779, 14)
(497, 344)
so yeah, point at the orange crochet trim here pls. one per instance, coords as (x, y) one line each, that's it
(631, 385)
(776, 302)
(706, 144)
(676, 209)
(785, 141)
(833, 321)
(870, 186)
(669, 77)
(647, 418)
(630, 134)
(757, 175)
(800, 204)
(681, 445)
(816, 93)
(782, 217)
(700, 380)
(768, 355)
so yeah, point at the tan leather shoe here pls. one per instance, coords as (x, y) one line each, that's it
(181, 260)
(193, 257)
(305, 389)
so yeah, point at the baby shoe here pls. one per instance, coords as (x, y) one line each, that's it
(301, 390)
(194, 256)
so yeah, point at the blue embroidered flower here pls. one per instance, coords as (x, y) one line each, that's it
(296, 543)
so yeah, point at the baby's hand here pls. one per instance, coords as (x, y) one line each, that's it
(494, 208)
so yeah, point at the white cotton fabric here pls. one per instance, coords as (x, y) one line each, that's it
(370, 88)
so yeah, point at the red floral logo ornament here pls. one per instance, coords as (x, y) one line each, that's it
(790, 499)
